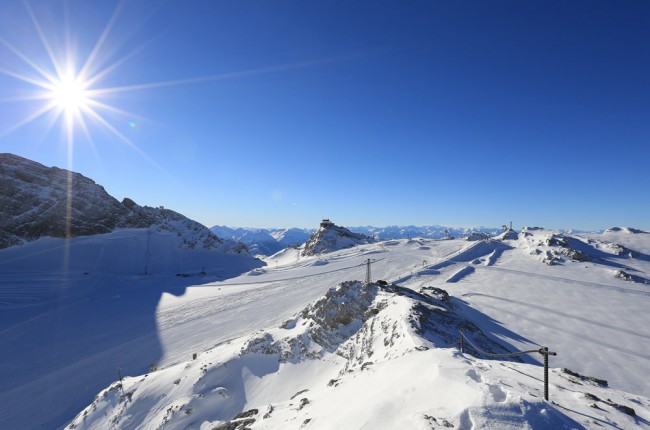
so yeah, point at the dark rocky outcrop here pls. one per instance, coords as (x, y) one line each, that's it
(38, 201)
(330, 237)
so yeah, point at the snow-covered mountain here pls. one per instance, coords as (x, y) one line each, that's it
(38, 201)
(264, 241)
(292, 236)
(269, 241)
(428, 231)
(339, 363)
(385, 355)
(331, 237)
(628, 230)
(205, 339)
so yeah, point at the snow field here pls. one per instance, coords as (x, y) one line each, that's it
(594, 321)
(383, 375)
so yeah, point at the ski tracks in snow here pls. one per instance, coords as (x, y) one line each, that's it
(569, 280)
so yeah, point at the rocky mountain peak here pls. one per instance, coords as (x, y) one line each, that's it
(38, 201)
(331, 237)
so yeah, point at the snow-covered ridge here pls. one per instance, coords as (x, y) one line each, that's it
(594, 320)
(37, 201)
(343, 361)
(268, 241)
(554, 248)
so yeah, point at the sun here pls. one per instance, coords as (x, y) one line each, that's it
(71, 88)
(70, 94)
(69, 84)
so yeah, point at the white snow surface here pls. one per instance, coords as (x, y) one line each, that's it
(63, 333)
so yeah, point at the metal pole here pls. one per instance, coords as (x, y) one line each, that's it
(119, 375)
(461, 341)
(368, 276)
(545, 352)
(545, 373)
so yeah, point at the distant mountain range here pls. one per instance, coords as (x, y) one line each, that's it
(264, 241)
(268, 241)
(427, 231)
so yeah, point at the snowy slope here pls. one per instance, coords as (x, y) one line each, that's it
(363, 356)
(72, 311)
(597, 323)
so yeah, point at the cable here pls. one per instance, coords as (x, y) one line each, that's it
(512, 354)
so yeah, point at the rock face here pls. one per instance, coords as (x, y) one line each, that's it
(628, 230)
(477, 235)
(38, 201)
(509, 234)
(353, 321)
(330, 237)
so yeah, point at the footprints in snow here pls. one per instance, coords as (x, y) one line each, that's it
(472, 374)
(498, 394)
(493, 391)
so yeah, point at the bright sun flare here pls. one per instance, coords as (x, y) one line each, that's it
(70, 94)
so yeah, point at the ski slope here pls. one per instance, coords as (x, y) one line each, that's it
(71, 312)
(71, 343)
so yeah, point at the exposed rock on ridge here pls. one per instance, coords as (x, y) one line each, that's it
(330, 237)
(38, 201)
(349, 321)
(353, 329)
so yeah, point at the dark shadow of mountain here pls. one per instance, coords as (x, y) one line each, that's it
(65, 333)
(494, 330)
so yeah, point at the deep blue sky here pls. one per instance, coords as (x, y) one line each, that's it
(422, 112)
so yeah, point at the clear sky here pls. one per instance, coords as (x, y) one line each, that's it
(278, 113)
